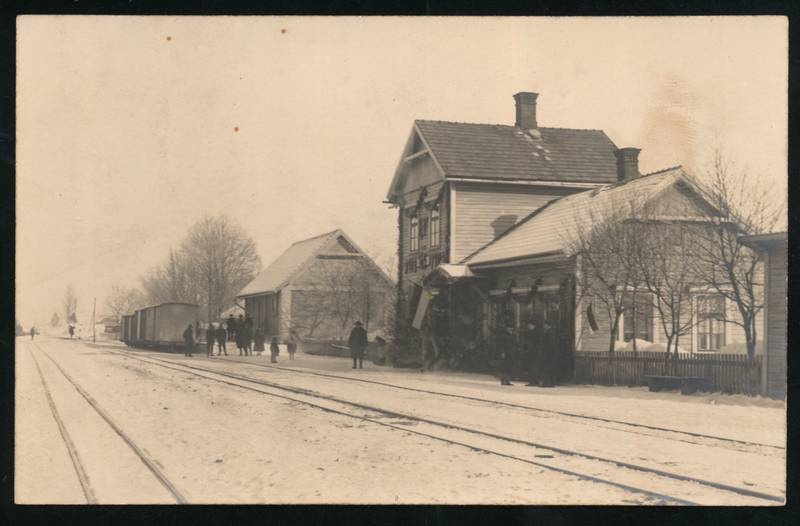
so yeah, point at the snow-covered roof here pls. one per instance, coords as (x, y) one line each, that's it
(549, 229)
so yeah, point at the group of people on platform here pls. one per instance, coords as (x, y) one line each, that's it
(540, 346)
(248, 341)
(239, 331)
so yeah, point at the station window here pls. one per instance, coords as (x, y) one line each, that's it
(414, 231)
(711, 322)
(435, 235)
(637, 317)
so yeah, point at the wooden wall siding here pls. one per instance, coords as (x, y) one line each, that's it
(727, 373)
(673, 202)
(260, 309)
(420, 171)
(776, 324)
(484, 210)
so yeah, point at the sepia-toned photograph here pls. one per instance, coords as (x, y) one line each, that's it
(401, 260)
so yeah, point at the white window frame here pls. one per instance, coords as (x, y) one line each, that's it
(696, 321)
(621, 329)
(435, 233)
(413, 245)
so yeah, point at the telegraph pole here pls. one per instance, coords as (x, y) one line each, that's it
(94, 307)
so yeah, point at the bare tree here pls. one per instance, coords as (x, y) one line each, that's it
(71, 305)
(221, 258)
(739, 205)
(662, 258)
(606, 244)
(214, 262)
(340, 291)
(123, 300)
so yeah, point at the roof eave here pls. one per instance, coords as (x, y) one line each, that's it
(519, 260)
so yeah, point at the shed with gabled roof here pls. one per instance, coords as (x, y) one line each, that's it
(304, 289)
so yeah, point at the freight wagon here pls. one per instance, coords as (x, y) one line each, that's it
(160, 325)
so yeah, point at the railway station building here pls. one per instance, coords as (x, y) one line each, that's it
(487, 217)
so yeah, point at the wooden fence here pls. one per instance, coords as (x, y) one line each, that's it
(727, 373)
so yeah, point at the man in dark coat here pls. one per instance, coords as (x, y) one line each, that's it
(248, 338)
(221, 337)
(188, 339)
(231, 328)
(211, 334)
(549, 351)
(357, 344)
(33, 332)
(508, 350)
(532, 337)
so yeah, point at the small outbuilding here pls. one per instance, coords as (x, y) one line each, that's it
(318, 288)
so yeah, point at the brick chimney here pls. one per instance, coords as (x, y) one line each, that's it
(627, 163)
(526, 110)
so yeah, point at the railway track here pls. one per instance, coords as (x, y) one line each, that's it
(671, 434)
(652, 485)
(80, 469)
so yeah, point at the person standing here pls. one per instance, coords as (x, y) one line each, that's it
(532, 339)
(248, 338)
(33, 332)
(259, 341)
(508, 352)
(71, 331)
(291, 346)
(211, 334)
(221, 335)
(357, 343)
(548, 352)
(240, 339)
(188, 340)
(231, 328)
(274, 350)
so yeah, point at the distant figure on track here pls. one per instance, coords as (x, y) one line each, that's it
(221, 335)
(71, 331)
(211, 334)
(274, 350)
(291, 346)
(188, 339)
(33, 332)
(259, 341)
(231, 325)
(357, 343)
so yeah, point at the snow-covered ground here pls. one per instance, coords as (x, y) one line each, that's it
(219, 443)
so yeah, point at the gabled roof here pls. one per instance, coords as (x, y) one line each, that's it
(297, 257)
(495, 151)
(278, 274)
(501, 152)
(549, 229)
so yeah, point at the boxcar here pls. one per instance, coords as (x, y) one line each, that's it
(125, 328)
(163, 325)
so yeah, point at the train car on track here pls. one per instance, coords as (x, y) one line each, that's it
(162, 325)
(125, 328)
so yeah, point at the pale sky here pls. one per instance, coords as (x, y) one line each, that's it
(126, 126)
